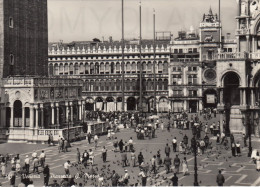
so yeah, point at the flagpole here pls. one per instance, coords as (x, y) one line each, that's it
(141, 66)
(154, 63)
(219, 5)
(123, 59)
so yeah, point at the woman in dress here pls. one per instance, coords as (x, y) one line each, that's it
(181, 147)
(257, 162)
(238, 149)
(3, 169)
(133, 158)
(159, 160)
(185, 166)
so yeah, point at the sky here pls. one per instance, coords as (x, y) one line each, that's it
(82, 20)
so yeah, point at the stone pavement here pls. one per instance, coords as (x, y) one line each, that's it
(238, 171)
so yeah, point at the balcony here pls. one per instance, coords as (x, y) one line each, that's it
(230, 56)
(242, 31)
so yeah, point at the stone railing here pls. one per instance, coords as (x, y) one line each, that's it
(254, 55)
(40, 81)
(105, 50)
(242, 31)
(228, 56)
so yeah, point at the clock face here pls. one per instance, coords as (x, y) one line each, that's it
(210, 75)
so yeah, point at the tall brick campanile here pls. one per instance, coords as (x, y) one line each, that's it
(23, 37)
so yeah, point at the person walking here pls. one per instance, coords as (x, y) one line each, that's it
(167, 150)
(42, 158)
(78, 156)
(176, 163)
(257, 161)
(131, 144)
(174, 144)
(96, 141)
(115, 144)
(11, 177)
(89, 136)
(60, 142)
(238, 150)
(66, 145)
(153, 162)
(46, 175)
(202, 146)
(114, 178)
(36, 165)
(67, 167)
(126, 178)
(27, 164)
(167, 162)
(220, 179)
(174, 180)
(133, 158)
(85, 157)
(121, 145)
(142, 174)
(3, 169)
(124, 159)
(185, 166)
(104, 154)
(140, 158)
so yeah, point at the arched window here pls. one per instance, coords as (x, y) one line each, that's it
(133, 67)
(102, 68)
(118, 85)
(138, 67)
(61, 69)
(56, 69)
(165, 84)
(66, 69)
(51, 69)
(128, 67)
(149, 67)
(107, 68)
(165, 67)
(71, 69)
(87, 69)
(92, 68)
(17, 113)
(118, 67)
(160, 84)
(144, 67)
(76, 69)
(160, 67)
(82, 68)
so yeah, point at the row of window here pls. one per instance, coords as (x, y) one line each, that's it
(118, 57)
(192, 93)
(179, 69)
(105, 68)
(177, 79)
(189, 50)
(129, 86)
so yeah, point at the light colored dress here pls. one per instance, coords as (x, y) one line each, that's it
(3, 169)
(185, 167)
(180, 148)
(258, 162)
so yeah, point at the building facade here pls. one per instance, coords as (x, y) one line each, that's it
(100, 67)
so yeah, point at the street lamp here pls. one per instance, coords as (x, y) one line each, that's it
(194, 146)
(245, 121)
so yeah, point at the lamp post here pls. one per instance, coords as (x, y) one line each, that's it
(194, 145)
(245, 120)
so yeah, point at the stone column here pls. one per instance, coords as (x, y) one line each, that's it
(23, 117)
(12, 117)
(31, 117)
(36, 116)
(221, 96)
(252, 98)
(247, 43)
(71, 111)
(221, 118)
(244, 97)
(83, 110)
(241, 96)
(80, 110)
(253, 44)
(94, 105)
(125, 106)
(115, 106)
(58, 113)
(67, 111)
(52, 113)
(42, 117)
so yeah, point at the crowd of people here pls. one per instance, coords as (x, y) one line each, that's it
(149, 166)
